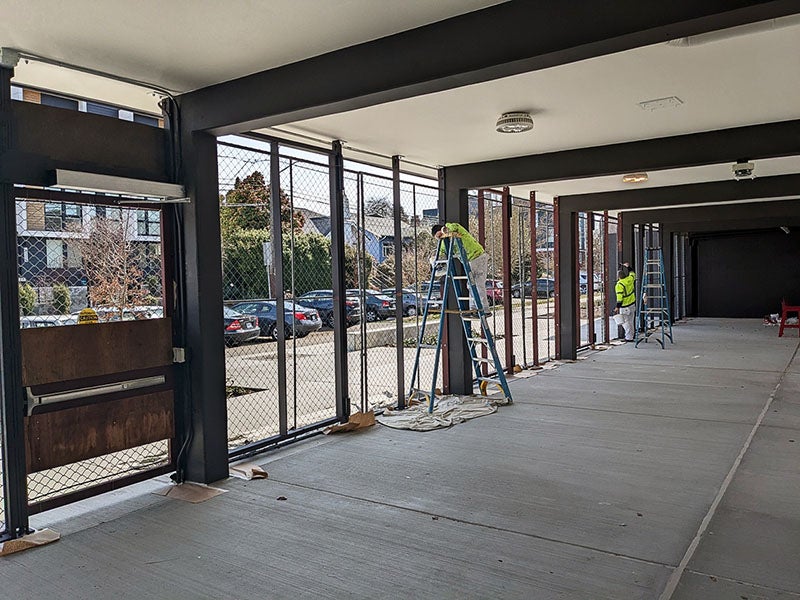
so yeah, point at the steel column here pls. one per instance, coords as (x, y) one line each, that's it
(207, 458)
(276, 232)
(565, 282)
(12, 408)
(534, 286)
(339, 286)
(606, 280)
(557, 276)
(398, 283)
(590, 276)
(457, 364)
(508, 320)
(576, 264)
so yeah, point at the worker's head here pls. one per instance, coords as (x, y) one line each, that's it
(622, 273)
(436, 230)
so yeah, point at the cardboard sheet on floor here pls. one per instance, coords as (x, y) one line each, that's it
(247, 471)
(447, 411)
(32, 540)
(190, 492)
(358, 420)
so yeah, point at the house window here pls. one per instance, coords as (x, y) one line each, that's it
(55, 254)
(60, 216)
(388, 249)
(110, 213)
(149, 222)
(58, 101)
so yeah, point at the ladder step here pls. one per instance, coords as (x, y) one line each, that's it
(479, 340)
(440, 262)
(463, 298)
(490, 380)
(655, 310)
(482, 360)
(459, 277)
(428, 346)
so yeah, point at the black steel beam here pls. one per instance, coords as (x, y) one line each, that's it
(525, 36)
(725, 145)
(778, 210)
(339, 285)
(48, 138)
(779, 186)
(208, 450)
(11, 396)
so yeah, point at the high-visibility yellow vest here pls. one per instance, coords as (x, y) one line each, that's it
(626, 290)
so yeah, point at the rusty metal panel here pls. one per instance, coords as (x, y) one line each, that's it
(57, 354)
(63, 437)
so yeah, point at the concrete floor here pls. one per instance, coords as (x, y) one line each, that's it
(633, 473)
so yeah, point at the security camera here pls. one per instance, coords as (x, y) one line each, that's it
(743, 169)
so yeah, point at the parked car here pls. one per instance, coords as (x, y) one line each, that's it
(545, 288)
(298, 320)
(377, 305)
(322, 302)
(436, 294)
(47, 321)
(494, 291)
(412, 303)
(239, 328)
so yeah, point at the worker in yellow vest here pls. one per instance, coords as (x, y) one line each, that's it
(478, 261)
(626, 300)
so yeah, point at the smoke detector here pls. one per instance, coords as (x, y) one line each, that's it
(514, 122)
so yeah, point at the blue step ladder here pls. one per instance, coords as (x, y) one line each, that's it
(452, 248)
(653, 317)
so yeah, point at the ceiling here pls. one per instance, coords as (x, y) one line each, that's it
(183, 45)
(743, 80)
(737, 79)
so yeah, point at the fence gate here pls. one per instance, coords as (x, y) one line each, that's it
(99, 383)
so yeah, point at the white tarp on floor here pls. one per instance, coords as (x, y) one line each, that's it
(447, 411)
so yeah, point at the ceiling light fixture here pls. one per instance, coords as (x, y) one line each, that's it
(634, 178)
(514, 122)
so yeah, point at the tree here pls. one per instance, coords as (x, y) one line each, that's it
(352, 271)
(246, 207)
(61, 298)
(111, 262)
(383, 207)
(27, 299)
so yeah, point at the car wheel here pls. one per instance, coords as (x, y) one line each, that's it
(372, 315)
(411, 311)
(273, 332)
(552, 294)
(515, 293)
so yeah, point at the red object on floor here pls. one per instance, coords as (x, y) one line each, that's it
(785, 310)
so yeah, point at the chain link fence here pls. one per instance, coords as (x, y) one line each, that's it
(72, 256)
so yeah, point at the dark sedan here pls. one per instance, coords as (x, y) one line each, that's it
(378, 306)
(239, 328)
(298, 320)
(545, 288)
(322, 302)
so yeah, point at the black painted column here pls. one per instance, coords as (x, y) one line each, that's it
(567, 241)
(207, 459)
(14, 472)
(454, 208)
(336, 163)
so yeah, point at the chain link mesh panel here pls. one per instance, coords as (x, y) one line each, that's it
(73, 256)
(311, 374)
